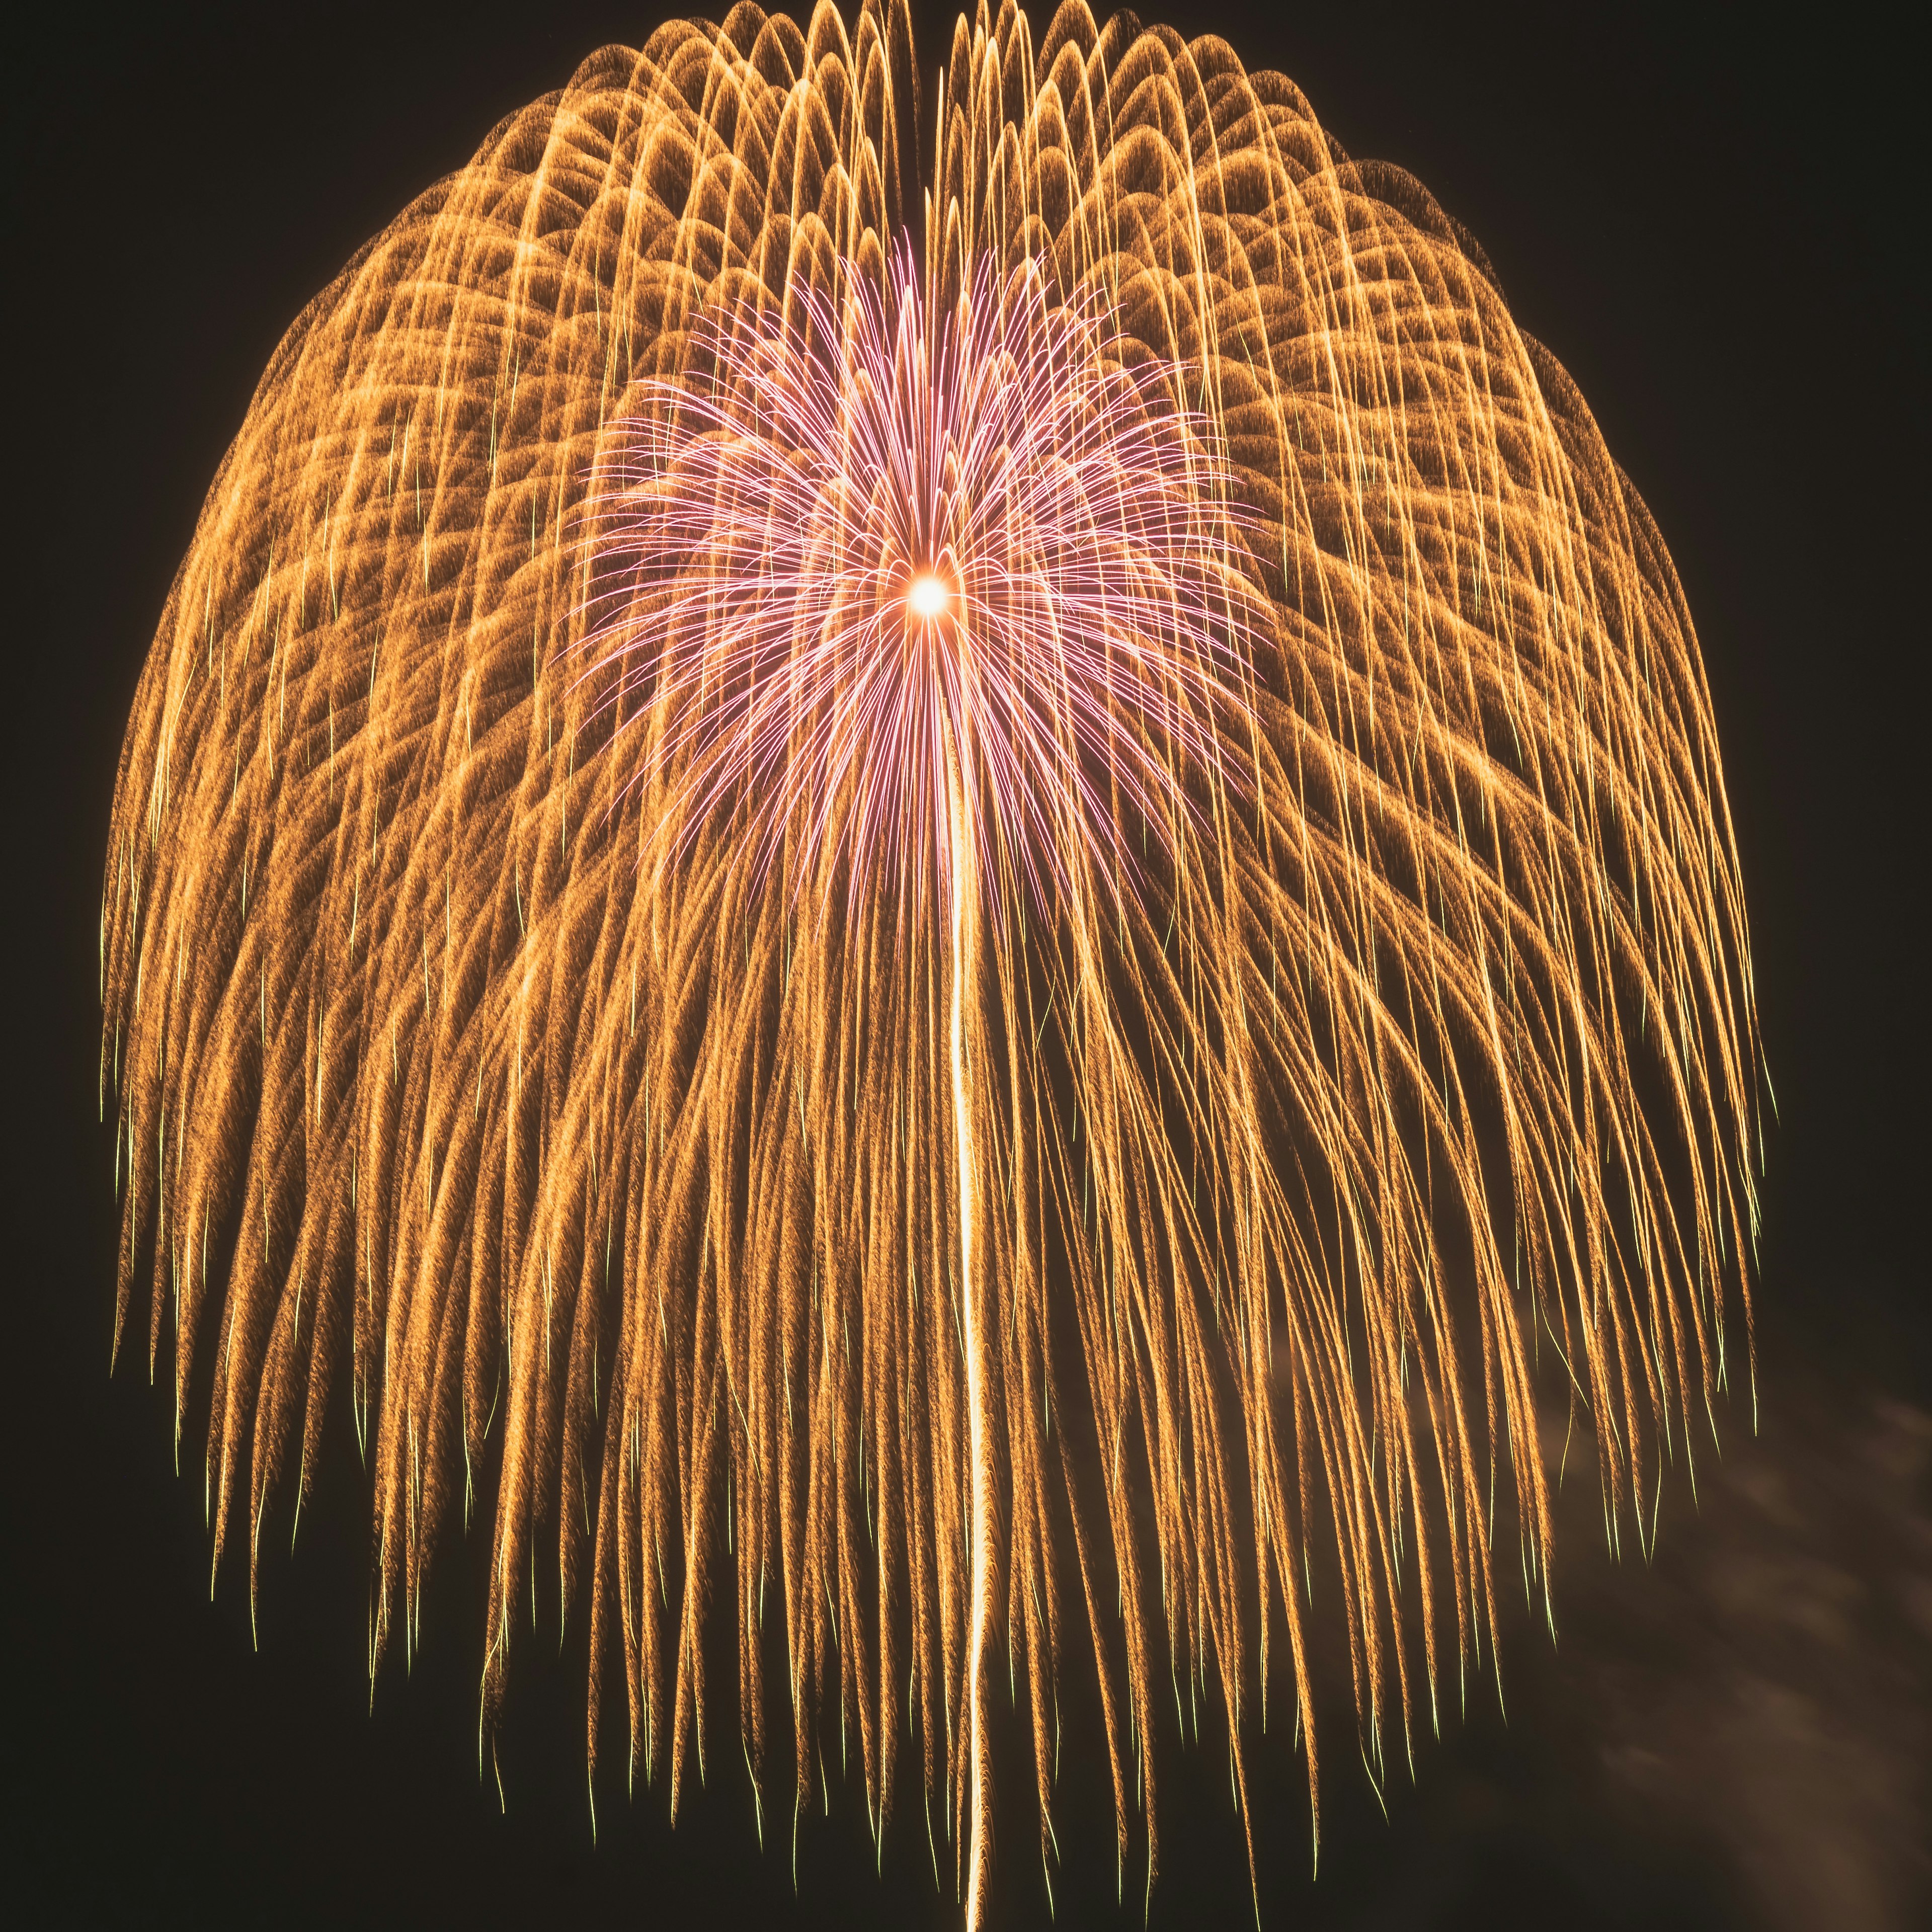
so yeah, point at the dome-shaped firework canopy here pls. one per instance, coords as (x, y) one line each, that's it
(948, 903)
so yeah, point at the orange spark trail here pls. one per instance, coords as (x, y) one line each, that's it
(971, 1295)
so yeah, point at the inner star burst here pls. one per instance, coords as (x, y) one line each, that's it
(1021, 481)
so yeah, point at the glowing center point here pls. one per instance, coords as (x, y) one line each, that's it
(928, 596)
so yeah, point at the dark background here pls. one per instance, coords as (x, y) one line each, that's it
(1716, 224)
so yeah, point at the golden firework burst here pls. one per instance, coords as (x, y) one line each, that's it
(955, 906)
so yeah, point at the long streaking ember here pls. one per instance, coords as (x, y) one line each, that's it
(986, 908)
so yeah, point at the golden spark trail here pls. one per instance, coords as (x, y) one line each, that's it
(980, 1447)
(926, 908)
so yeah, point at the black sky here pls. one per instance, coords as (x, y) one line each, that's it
(1718, 226)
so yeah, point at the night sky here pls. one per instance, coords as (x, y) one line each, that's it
(1716, 229)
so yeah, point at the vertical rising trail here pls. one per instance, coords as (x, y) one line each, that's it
(980, 1770)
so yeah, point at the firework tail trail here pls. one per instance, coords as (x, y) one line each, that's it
(1388, 1052)
(979, 1758)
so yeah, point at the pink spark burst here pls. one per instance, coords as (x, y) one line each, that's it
(866, 553)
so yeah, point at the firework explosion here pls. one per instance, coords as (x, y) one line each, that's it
(958, 909)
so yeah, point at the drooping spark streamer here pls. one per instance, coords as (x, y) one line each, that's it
(978, 1449)
(906, 922)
